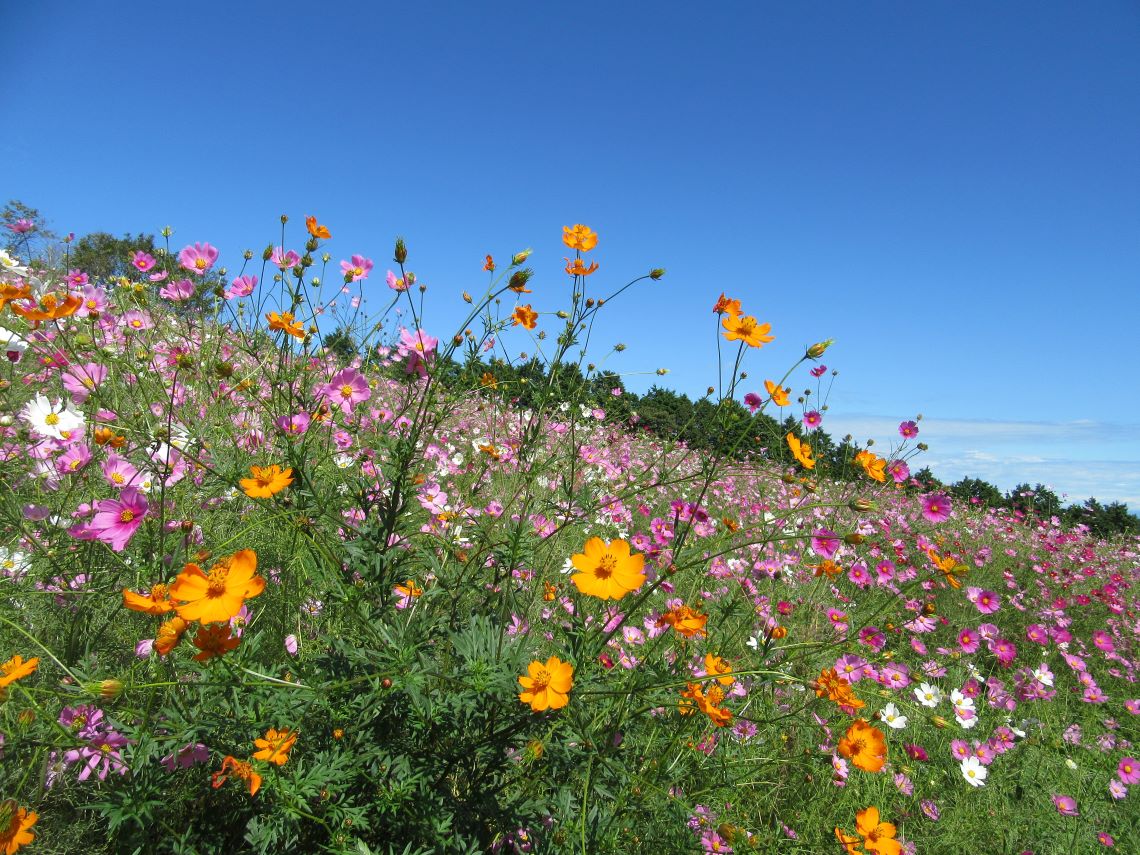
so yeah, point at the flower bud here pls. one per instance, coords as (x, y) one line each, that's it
(267, 253)
(861, 505)
(656, 273)
(819, 348)
(661, 372)
(619, 347)
(922, 446)
(247, 255)
(561, 314)
(284, 219)
(466, 297)
(167, 231)
(939, 722)
(853, 539)
(520, 257)
(110, 689)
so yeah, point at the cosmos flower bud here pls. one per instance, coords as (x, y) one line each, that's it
(939, 722)
(619, 347)
(656, 273)
(561, 314)
(267, 253)
(861, 505)
(400, 255)
(853, 539)
(466, 297)
(247, 255)
(106, 689)
(520, 257)
(284, 219)
(819, 348)
(922, 446)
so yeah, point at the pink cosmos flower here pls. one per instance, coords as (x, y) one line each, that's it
(1066, 805)
(752, 401)
(859, 576)
(1117, 790)
(1005, 651)
(960, 749)
(118, 471)
(915, 752)
(872, 637)
(1133, 705)
(935, 507)
(82, 380)
(1103, 641)
(987, 602)
(137, 320)
(1128, 771)
(186, 757)
(357, 269)
(394, 283)
(117, 520)
(74, 459)
(1037, 634)
(812, 419)
(94, 302)
(968, 641)
(198, 258)
(1106, 839)
(143, 261)
(819, 371)
(908, 430)
(345, 389)
(178, 291)
(291, 645)
(824, 542)
(295, 425)
(242, 286)
(419, 348)
(899, 471)
(77, 279)
(21, 226)
(284, 258)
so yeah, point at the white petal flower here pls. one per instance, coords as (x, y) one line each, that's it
(974, 772)
(892, 717)
(56, 421)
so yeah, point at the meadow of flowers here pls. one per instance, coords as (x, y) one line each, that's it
(259, 596)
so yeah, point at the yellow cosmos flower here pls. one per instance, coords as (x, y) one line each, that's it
(873, 465)
(801, 451)
(547, 685)
(17, 668)
(778, 394)
(217, 596)
(275, 746)
(747, 329)
(157, 602)
(266, 481)
(607, 570)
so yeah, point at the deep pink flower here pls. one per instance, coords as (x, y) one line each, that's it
(1037, 634)
(968, 641)
(178, 291)
(824, 542)
(908, 430)
(294, 425)
(198, 258)
(1103, 641)
(899, 471)
(819, 371)
(284, 258)
(82, 380)
(812, 419)
(1005, 651)
(143, 261)
(988, 602)
(117, 520)
(915, 752)
(1128, 771)
(345, 389)
(752, 401)
(935, 507)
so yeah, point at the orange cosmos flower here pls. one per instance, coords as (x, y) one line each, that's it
(267, 481)
(725, 305)
(157, 602)
(106, 436)
(837, 689)
(50, 308)
(778, 394)
(317, 231)
(579, 237)
(577, 267)
(717, 667)
(524, 315)
(169, 634)
(285, 322)
(878, 837)
(489, 264)
(718, 715)
(217, 596)
(849, 841)
(864, 746)
(747, 330)
(873, 465)
(547, 686)
(214, 640)
(275, 746)
(607, 570)
(828, 568)
(10, 293)
(800, 450)
(14, 824)
(687, 621)
(239, 769)
(16, 668)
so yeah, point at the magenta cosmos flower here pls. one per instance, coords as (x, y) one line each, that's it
(357, 269)
(21, 226)
(1128, 771)
(198, 258)
(117, 520)
(936, 507)
(812, 419)
(345, 389)
(242, 286)
(1066, 805)
(143, 261)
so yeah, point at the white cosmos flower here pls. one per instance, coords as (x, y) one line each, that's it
(928, 695)
(893, 718)
(974, 772)
(56, 421)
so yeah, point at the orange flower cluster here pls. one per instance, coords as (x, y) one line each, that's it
(947, 565)
(864, 745)
(741, 327)
(286, 323)
(827, 568)
(607, 570)
(878, 837)
(837, 689)
(873, 465)
(686, 621)
(694, 697)
(239, 769)
(547, 685)
(209, 598)
(273, 748)
(579, 237)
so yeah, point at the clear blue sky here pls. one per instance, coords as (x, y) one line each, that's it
(950, 190)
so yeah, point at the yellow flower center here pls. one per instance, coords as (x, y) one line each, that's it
(51, 419)
(358, 271)
(606, 567)
(117, 477)
(126, 515)
(88, 382)
(541, 680)
(346, 391)
(216, 581)
(200, 263)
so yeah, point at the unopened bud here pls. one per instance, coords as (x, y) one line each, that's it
(854, 538)
(400, 255)
(709, 390)
(466, 297)
(819, 348)
(939, 722)
(861, 505)
(267, 253)
(656, 273)
(922, 446)
(619, 347)
(247, 255)
(520, 257)
(167, 231)
(661, 372)
(561, 314)
(284, 219)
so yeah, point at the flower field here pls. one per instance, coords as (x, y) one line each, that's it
(262, 594)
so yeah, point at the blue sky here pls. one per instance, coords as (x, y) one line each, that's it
(950, 190)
